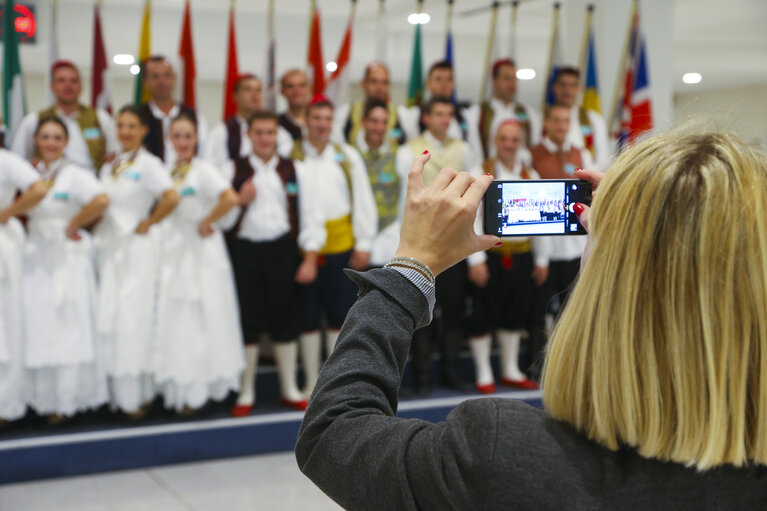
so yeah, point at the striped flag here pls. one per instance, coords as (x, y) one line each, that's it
(633, 108)
(53, 48)
(337, 88)
(140, 94)
(314, 55)
(270, 98)
(491, 55)
(186, 58)
(14, 101)
(588, 65)
(449, 41)
(232, 69)
(556, 58)
(415, 86)
(100, 97)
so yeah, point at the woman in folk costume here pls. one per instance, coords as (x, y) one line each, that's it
(199, 341)
(16, 175)
(61, 351)
(141, 194)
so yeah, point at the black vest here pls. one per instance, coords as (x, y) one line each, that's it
(154, 141)
(233, 137)
(291, 127)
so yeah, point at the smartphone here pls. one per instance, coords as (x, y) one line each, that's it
(535, 207)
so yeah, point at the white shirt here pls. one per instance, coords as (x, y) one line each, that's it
(16, 174)
(169, 151)
(541, 244)
(216, 149)
(331, 187)
(199, 193)
(502, 112)
(601, 157)
(405, 155)
(76, 150)
(266, 218)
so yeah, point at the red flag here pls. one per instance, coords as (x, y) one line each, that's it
(337, 88)
(232, 71)
(100, 97)
(186, 57)
(314, 57)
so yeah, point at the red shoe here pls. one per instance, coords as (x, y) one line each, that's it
(485, 389)
(301, 404)
(242, 410)
(520, 384)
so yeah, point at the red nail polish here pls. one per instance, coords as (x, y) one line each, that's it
(579, 168)
(500, 243)
(425, 151)
(578, 208)
(488, 174)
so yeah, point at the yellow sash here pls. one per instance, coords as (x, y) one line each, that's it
(340, 236)
(510, 247)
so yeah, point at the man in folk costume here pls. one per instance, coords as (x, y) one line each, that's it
(229, 140)
(504, 278)
(349, 209)
(557, 158)
(587, 127)
(451, 284)
(294, 87)
(348, 117)
(485, 117)
(440, 82)
(92, 137)
(388, 182)
(279, 218)
(162, 107)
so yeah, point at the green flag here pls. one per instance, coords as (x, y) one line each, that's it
(415, 88)
(14, 102)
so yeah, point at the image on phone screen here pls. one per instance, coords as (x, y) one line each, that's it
(535, 207)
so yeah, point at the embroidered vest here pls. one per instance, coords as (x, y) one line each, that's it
(486, 117)
(451, 154)
(354, 123)
(290, 126)
(385, 182)
(88, 121)
(556, 165)
(586, 129)
(154, 142)
(233, 137)
(243, 171)
(458, 118)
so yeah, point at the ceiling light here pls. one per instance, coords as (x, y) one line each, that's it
(134, 69)
(123, 59)
(526, 74)
(331, 66)
(692, 78)
(418, 18)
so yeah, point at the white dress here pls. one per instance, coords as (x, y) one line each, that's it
(15, 174)
(199, 341)
(128, 266)
(61, 350)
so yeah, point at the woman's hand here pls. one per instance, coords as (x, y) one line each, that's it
(73, 233)
(247, 193)
(205, 228)
(143, 227)
(438, 223)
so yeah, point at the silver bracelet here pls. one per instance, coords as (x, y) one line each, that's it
(415, 264)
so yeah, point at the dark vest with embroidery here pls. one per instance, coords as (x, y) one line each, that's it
(291, 127)
(154, 142)
(243, 171)
(233, 137)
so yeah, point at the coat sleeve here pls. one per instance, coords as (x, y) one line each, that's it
(353, 446)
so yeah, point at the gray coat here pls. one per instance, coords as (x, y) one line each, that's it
(489, 453)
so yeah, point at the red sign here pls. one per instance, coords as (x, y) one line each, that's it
(25, 23)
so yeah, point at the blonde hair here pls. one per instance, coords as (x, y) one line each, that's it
(663, 343)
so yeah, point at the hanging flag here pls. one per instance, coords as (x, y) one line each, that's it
(556, 58)
(513, 39)
(53, 48)
(232, 69)
(415, 86)
(588, 66)
(270, 97)
(381, 33)
(337, 89)
(100, 97)
(449, 41)
(632, 114)
(186, 59)
(491, 56)
(140, 94)
(14, 101)
(314, 55)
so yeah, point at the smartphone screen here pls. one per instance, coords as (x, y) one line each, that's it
(535, 207)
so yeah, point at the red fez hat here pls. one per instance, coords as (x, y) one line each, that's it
(320, 98)
(502, 62)
(63, 63)
(509, 122)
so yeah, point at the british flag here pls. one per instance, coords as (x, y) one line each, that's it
(633, 112)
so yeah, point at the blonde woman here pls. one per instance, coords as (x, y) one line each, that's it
(654, 387)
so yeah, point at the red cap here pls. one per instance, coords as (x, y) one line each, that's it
(502, 62)
(319, 98)
(63, 63)
(509, 122)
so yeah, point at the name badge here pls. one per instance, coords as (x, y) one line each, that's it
(291, 188)
(463, 125)
(61, 195)
(132, 174)
(386, 178)
(395, 133)
(570, 168)
(187, 191)
(586, 130)
(340, 157)
(91, 133)
(522, 116)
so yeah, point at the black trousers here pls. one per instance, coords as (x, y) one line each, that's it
(270, 300)
(332, 293)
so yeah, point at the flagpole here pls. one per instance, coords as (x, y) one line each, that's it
(583, 62)
(489, 50)
(552, 49)
(271, 100)
(622, 66)
(513, 43)
(449, 17)
(380, 33)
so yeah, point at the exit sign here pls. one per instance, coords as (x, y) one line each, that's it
(25, 23)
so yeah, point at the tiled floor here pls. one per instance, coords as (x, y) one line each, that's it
(268, 482)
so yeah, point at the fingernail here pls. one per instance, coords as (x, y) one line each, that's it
(578, 208)
(425, 151)
(500, 243)
(488, 174)
(579, 168)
